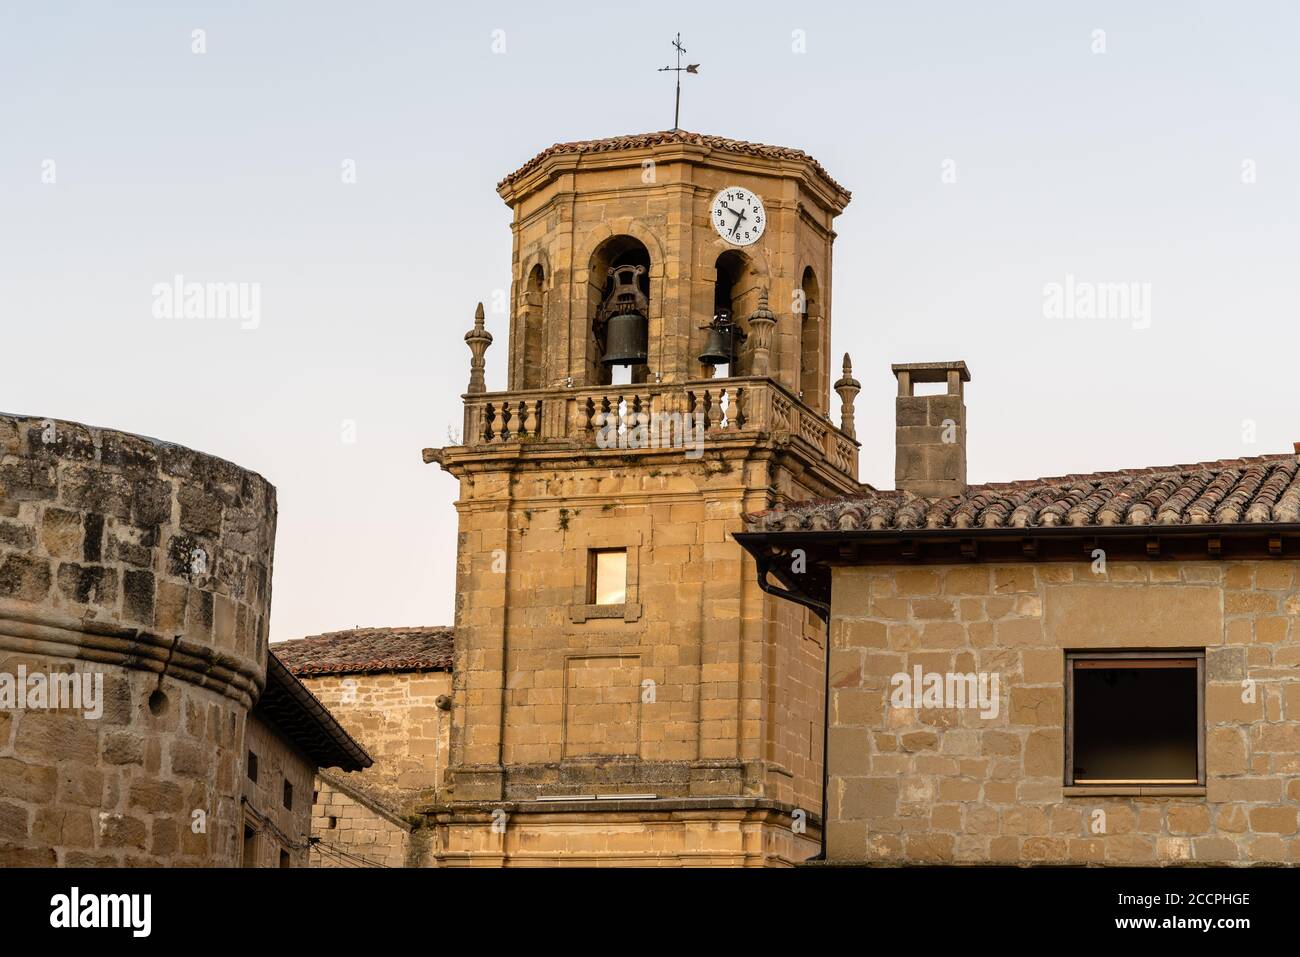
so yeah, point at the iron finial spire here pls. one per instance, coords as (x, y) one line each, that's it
(679, 70)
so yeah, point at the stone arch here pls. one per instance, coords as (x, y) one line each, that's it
(812, 347)
(617, 249)
(747, 271)
(532, 345)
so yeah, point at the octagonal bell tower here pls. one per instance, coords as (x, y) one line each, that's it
(581, 208)
(624, 689)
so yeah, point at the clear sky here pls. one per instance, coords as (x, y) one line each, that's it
(992, 151)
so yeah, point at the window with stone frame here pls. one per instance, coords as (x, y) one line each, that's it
(1135, 718)
(607, 576)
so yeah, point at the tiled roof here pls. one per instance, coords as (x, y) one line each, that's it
(1259, 490)
(645, 140)
(369, 649)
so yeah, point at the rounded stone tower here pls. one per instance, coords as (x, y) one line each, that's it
(135, 587)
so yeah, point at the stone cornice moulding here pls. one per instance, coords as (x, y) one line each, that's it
(26, 629)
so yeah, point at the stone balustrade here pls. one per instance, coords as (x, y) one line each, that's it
(720, 407)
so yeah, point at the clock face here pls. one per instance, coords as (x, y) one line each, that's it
(738, 216)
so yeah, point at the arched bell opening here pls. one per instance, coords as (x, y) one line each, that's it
(812, 350)
(533, 347)
(619, 312)
(724, 350)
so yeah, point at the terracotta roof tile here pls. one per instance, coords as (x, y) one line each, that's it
(645, 140)
(1259, 490)
(369, 649)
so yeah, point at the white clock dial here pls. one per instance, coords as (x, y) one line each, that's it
(738, 215)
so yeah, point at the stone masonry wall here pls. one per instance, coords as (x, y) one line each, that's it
(734, 700)
(352, 833)
(279, 828)
(395, 718)
(929, 785)
(149, 565)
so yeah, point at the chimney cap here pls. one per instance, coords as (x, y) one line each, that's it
(932, 371)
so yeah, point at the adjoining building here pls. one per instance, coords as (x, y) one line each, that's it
(290, 738)
(1095, 668)
(391, 688)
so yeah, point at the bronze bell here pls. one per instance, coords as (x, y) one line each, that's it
(720, 346)
(623, 318)
(625, 340)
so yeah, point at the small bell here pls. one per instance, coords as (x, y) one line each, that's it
(720, 346)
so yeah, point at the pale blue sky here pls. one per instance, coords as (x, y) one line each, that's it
(1117, 167)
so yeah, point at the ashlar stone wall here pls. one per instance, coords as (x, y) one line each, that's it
(935, 785)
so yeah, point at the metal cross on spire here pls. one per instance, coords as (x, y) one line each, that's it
(679, 69)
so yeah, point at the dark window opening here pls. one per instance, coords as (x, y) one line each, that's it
(284, 858)
(251, 770)
(250, 847)
(1135, 719)
(288, 795)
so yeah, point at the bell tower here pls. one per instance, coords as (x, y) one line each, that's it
(624, 689)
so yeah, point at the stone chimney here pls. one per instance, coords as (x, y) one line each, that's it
(930, 430)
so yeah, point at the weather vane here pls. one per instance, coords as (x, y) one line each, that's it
(679, 69)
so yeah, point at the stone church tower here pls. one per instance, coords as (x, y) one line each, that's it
(625, 691)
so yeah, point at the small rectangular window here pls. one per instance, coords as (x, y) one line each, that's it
(607, 577)
(288, 795)
(1135, 718)
(284, 858)
(251, 769)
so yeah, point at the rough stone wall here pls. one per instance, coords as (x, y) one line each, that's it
(353, 833)
(394, 717)
(925, 785)
(149, 564)
(278, 828)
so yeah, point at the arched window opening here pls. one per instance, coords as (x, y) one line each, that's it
(811, 347)
(619, 307)
(533, 355)
(726, 333)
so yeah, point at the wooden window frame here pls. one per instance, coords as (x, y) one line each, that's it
(1164, 659)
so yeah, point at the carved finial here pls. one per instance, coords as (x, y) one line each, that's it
(478, 339)
(847, 388)
(761, 323)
